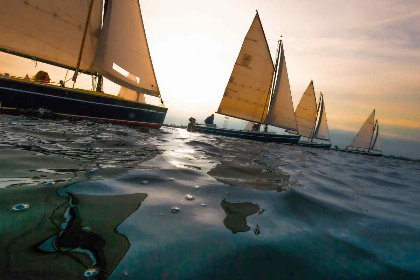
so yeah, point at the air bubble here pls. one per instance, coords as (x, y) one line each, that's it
(189, 197)
(20, 207)
(91, 272)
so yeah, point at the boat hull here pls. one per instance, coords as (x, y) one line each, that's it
(21, 97)
(315, 145)
(365, 153)
(256, 136)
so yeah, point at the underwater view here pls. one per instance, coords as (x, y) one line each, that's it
(93, 200)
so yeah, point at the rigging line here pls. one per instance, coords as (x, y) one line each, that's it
(83, 42)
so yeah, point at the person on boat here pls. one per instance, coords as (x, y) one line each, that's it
(26, 78)
(42, 77)
(209, 120)
(256, 127)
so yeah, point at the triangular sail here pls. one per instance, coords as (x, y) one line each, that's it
(321, 131)
(364, 136)
(281, 113)
(248, 89)
(51, 31)
(376, 144)
(123, 51)
(306, 112)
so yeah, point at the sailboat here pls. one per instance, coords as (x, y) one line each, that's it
(257, 91)
(367, 140)
(70, 35)
(311, 119)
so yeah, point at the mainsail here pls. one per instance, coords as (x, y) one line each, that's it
(247, 93)
(51, 31)
(281, 112)
(321, 131)
(363, 138)
(376, 144)
(123, 49)
(306, 112)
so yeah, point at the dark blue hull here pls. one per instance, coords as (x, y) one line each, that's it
(363, 153)
(315, 145)
(17, 96)
(256, 136)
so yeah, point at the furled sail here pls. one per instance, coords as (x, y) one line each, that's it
(281, 112)
(248, 89)
(376, 145)
(321, 131)
(51, 30)
(364, 136)
(123, 49)
(306, 112)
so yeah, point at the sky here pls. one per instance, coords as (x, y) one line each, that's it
(362, 55)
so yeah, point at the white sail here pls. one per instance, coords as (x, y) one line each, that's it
(322, 132)
(281, 112)
(364, 136)
(306, 112)
(376, 145)
(123, 49)
(249, 126)
(246, 95)
(51, 30)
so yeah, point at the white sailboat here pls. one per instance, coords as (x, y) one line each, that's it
(367, 140)
(257, 91)
(311, 119)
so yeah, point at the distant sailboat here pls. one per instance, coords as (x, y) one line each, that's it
(367, 140)
(311, 119)
(70, 35)
(257, 91)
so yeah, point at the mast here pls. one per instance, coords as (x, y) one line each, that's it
(99, 86)
(83, 41)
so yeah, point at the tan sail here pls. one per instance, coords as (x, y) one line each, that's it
(131, 95)
(364, 136)
(123, 49)
(322, 132)
(246, 95)
(281, 113)
(51, 30)
(306, 112)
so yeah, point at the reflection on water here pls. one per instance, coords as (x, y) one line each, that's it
(236, 214)
(298, 213)
(66, 237)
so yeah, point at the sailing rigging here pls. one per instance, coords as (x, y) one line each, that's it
(70, 34)
(258, 91)
(367, 141)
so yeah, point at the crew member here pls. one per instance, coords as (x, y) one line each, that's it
(209, 120)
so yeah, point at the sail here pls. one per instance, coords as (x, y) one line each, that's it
(306, 112)
(131, 95)
(376, 145)
(281, 113)
(249, 126)
(248, 89)
(321, 131)
(51, 30)
(123, 52)
(364, 136)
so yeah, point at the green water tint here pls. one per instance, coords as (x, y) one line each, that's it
(50, 239)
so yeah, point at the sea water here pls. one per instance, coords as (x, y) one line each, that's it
(93, 200)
